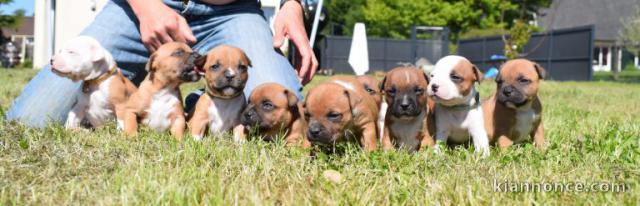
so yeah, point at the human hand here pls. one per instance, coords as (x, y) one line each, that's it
(288, 24)
(159, 24)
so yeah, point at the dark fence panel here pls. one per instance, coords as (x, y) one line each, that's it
(384, 54)
(566, 54)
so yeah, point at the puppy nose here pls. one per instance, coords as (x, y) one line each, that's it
(404, 106)
(434, 87)
(314, 131)
(229, 74)
(507, 91)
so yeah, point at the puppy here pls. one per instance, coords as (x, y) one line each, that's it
(458, 112)
(337, 108)
(513, 114)
(273, 109)
(408, 123)
(104, 90)
(225, 72)
(158, 103)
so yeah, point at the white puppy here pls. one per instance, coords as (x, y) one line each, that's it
(104, 89)
(458, 112)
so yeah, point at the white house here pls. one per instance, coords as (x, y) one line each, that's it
(57, 21)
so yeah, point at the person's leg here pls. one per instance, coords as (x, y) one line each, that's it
(249, 31)
(48, 97)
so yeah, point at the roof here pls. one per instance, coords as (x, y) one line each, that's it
(26, 28)
(605, 15)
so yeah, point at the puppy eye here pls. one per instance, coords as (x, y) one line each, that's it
(369, 90)
(334, 116)
(524, 81)
(499, 81)
(267, 106)
(307, 116)
(215, 67)
(242, 67)
(391, 92)
(455, 78)
(177, 53)
(431, 75)
(419, 91)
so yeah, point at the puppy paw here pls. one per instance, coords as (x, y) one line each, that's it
(120, 125)
(197, 138)
(484, 152)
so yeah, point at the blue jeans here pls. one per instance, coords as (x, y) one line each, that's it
(48, 98)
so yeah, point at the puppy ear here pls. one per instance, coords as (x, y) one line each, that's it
(381, 86)
(97, 52)
(248, 60)
(149, 66)
(477, 73)
(426, 77)
(292, 99)
(542, 73)
(353, 101)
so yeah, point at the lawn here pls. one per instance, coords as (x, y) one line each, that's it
(592, 130)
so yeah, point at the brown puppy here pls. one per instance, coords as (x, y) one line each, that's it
(220, 107)
(513, 114)
(158, 103)
(338, 107)
(372, 86)
(407, 124)
(273, 109)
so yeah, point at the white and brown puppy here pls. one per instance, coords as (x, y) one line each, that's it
(458, 111)
(338, 109)
(104, 90)
(220, 107)
(513, 114)
(408, 124)
(158, 103)
(273, 109)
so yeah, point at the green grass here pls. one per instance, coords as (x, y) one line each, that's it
(632, 76)
(592, 131)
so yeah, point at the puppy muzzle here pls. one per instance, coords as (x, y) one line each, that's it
(509, 95)
(250, 118)
(405, 106)
(190, 72)
(229, 86)
(317, 134)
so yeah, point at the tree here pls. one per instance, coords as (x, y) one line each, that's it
(629, 35)
(394, 18)
(11, 21)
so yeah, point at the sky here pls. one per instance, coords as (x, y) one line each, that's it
(27, 5)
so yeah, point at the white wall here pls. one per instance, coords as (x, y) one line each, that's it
(55, 26)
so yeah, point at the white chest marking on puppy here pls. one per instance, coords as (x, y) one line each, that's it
(524, 124)
(99, 110)
(162, 105)
(224, 114)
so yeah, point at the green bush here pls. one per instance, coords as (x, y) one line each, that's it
(28, 63)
